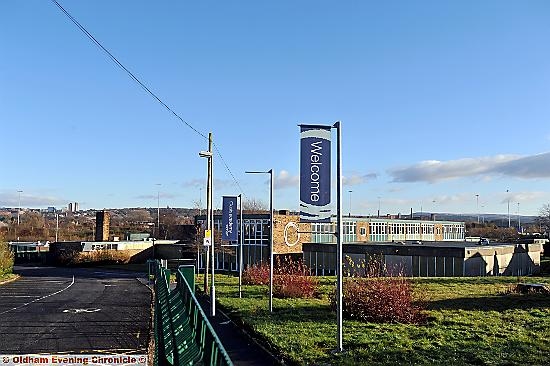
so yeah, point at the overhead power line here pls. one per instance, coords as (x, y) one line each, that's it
(144, 87)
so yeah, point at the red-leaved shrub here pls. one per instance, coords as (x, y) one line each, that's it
(380, 295)
(291, 280)
(256, 274)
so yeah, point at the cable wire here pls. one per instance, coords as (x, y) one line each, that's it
(143, 86)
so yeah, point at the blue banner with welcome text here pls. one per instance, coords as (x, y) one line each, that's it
(229, 218)
(315, 173)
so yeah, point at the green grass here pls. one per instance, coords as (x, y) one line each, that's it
(470, 322)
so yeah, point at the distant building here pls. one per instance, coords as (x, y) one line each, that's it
(75, 207)
(70, 207)
(51, 209)
(357, 231)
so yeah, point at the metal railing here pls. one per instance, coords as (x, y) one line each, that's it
(183, 334)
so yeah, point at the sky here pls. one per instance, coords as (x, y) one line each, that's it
(439, 101)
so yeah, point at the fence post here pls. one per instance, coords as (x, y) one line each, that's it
(188, 272)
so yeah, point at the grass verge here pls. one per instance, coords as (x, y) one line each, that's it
(471, 321)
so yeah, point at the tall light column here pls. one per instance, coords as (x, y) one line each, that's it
(519, 221)
(477, 207)
(210, 223)
(271, 264)
(56, 225)
(350, 192)
(509, 222)
(18, 213)
(158, 208)
(19, 207)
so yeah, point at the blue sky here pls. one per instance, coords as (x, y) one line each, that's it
(439, 101)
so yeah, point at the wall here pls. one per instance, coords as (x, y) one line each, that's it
(282, 222)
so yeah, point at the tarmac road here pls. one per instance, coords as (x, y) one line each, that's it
(74, 310)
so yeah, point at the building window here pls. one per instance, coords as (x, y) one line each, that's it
(363, 231)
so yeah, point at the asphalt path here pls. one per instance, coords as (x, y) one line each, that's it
(74, 310)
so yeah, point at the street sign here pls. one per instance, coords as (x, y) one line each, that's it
(207, 238)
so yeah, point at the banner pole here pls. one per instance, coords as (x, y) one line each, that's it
(339, 231)
(241, 246)
(271, 264)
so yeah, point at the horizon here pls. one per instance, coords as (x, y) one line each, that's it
(439, 102)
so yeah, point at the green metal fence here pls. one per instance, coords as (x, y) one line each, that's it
(183, 334)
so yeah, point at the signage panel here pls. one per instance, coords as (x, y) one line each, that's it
(315, 173)
(229, 218)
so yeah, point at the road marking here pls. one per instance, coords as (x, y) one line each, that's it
(76, 311)
(4, 296)
(42, 298)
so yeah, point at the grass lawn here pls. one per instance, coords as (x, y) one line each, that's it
(470, 322)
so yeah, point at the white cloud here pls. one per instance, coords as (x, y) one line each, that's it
(533, 166)
(523, 197)
(354, 178)
(197, 183)
(286, 180)
(11, 199)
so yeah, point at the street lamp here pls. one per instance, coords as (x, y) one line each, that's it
(508, 208)
(350, 202)
(158, 208)
(519, 221)
(19, 207)
(210, 223)
(477, 204)
(18, 212)
(270, 172)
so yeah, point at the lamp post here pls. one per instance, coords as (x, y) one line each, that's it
(19, 207)
(519, 221)
(349, 203)
(509, 222)
(270, 172)
(158, 208)
(477, 207)
(210, 223)
(56, 225)
(18, 212)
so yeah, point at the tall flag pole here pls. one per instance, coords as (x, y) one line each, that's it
(339, 232)
(315, 192)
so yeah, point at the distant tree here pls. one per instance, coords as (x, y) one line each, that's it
(254, 205)
(139, 216)
(543, 220)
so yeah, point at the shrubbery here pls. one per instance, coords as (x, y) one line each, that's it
(96, 257)
(290, 279)
(256, 274)
(380, 295)
(6, 259)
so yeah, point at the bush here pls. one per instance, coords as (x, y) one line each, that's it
(6, 259)
(291, 280)
(95, 257)
(381, 295)
(256, 274)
